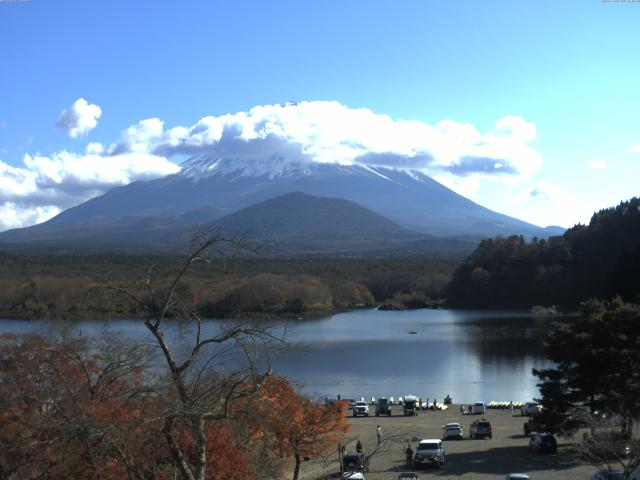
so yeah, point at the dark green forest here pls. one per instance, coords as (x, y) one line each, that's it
(599, 260)
(72, 286)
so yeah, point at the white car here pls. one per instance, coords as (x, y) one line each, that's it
(530, 409)
(452, 430)
(353, 476)
(429, 452)
(517, 476)
(361, 408)
(478, 408)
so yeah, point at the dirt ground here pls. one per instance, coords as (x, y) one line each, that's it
(506, 452)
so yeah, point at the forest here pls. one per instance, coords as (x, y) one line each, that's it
(599, 260)
(73, 286)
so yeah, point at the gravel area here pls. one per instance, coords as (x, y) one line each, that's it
(506, 452)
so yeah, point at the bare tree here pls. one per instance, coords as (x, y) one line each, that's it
(606, 442)
(208, 369)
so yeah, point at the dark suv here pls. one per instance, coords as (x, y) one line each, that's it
(480, 429)
(383, 407)
(543, 443)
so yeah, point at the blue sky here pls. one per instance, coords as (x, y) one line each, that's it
(571, 69)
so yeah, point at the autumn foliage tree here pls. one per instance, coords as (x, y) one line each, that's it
(299, 427)
(70, 411)
(76, 409)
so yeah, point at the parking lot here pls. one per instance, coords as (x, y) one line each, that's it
(506, 452)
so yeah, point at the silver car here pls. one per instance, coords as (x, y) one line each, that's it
(429, 452)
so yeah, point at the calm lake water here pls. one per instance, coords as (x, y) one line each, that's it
(470, 355)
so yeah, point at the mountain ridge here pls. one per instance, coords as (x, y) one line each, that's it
(209, 188)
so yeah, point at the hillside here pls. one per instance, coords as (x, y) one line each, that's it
(145, 215)
(599, 260)
(292, 225)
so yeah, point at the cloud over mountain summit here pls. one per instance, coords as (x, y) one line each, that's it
(315, 131)
(329, 132)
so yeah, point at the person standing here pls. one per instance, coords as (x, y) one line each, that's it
(409, 455)
(359, 446)
(379, 434)
(435, 405)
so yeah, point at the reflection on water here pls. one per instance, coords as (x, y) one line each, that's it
(470, 355)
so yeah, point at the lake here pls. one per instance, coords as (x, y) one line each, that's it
(470, 355)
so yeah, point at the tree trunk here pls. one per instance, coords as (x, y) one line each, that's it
(296, 470)
(201, 444)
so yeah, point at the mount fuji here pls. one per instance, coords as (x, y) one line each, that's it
(208, 188)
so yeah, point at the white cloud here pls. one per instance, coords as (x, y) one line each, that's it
(13, 215)
(79, 119)
(597, 164)
(545, 204)
(45, 185)
(139, 137)
(546, 191)
(332, 132)
(634, 149)
(94, 148)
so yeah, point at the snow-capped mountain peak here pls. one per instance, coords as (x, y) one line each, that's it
(274, 166)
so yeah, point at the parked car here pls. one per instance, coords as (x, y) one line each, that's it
(613, 474)
(410, 406)
(429, 452)
(530, 409)
(351, 401)
(452, 431)
(533, 425)
(355, 462)
(383, 407)
(478, 408)
(543, 443)
(408, 476)
(606, 445)
(517, 476)
(361, 408)
(353, 476)
(480, 429)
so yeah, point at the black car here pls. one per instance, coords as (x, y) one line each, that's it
(543, 443)
(612, 474)
(480, 429)
(355, 462)
(383, 407)
(533, 425)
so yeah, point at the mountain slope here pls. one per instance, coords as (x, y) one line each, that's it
(299, 215)
(210, 188)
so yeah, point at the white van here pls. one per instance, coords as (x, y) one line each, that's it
(478, 408)
(530, 409)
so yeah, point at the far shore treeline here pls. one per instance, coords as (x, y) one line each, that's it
(71, 286)
(600, 260)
